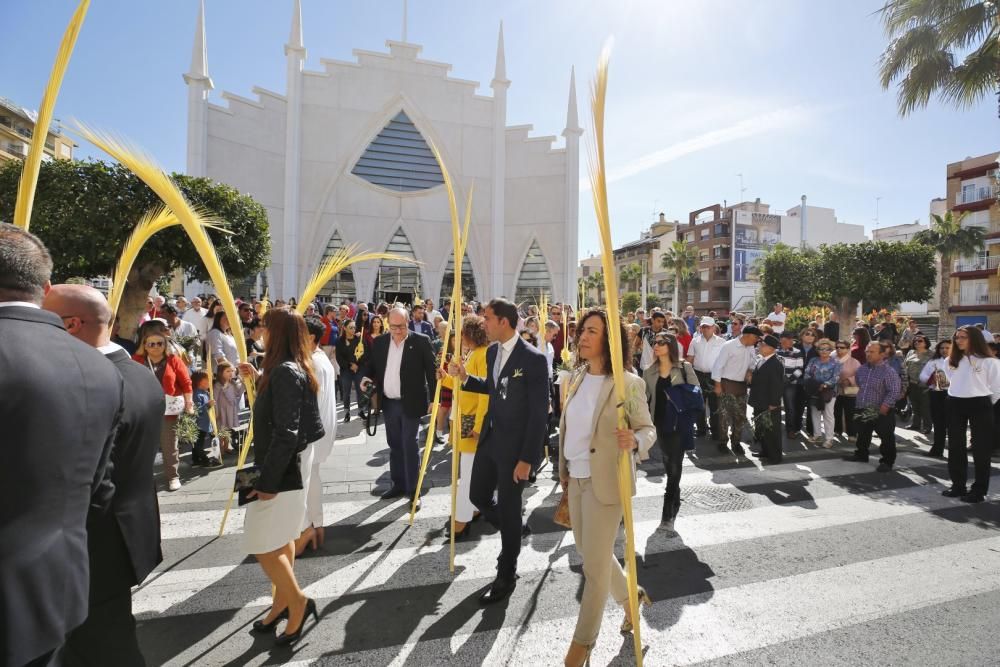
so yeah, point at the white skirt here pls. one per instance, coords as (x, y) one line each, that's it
(271, 524)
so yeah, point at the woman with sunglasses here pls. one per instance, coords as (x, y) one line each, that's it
(934, 377)
(913, 365)
(674, 424)
(973, 387)
(822, 373)
(156, 354)
(847, 392)
(590, 444)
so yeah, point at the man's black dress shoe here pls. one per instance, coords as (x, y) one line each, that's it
(973, 497)
(498, 591)
(856, 458)
(394, 492)
(955, 492)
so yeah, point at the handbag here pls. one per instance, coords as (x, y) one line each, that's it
(174, 405)
(246, 478)
(693, 399)
(561, 515)
(852, 390)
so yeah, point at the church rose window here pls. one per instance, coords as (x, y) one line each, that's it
(398, 158)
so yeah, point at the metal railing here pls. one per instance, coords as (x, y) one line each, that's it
(991, 262)
(988, 299)
(973, 195)
(15, 149)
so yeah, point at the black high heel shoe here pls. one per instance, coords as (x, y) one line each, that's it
(460, 535)
(261, 627)
(285, 639)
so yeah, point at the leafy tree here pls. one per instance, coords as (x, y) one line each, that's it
(85, 211)
(653, 301)
(951, 240)
(928, 39)
(631, 301)
(841, 276)
(682, 259)
(629, 276)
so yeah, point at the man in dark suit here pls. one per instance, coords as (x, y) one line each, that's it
(123, 542)
(766, 390)
(61, 401)
(402, 367)
(510, 444)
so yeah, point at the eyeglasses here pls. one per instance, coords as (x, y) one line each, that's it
(397, 327)
(154, 343)
(825, 349)
(842, 347)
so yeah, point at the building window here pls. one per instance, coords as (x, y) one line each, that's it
(399, 281)
(342, 285)
(399, 158)
(703, 256)
(703, 274)
(468, 280)
(534, 278)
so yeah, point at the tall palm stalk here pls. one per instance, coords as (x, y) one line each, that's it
(948, 47)
(952, 240)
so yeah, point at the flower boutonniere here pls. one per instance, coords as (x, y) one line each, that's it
(518, 372)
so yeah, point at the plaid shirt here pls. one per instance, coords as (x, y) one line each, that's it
(879, 385)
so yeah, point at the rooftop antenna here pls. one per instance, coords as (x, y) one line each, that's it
(742, 189)
(876, 212)
(404, 20)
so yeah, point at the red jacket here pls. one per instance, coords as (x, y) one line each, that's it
(176, 380)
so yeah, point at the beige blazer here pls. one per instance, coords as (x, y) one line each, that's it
(604, 442)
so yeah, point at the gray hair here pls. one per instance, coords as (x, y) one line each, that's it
(25, 265)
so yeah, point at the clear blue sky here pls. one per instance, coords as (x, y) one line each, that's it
(784, 92)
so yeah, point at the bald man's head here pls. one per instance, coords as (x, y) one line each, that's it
(84, 311)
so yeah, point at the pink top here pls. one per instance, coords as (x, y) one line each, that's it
(848, 369)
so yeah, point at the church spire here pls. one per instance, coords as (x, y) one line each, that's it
(572, 122)
(295, 42)
(199, 51)
(500, 73)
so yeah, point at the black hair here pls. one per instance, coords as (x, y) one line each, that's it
(316, 328)
(504, 310)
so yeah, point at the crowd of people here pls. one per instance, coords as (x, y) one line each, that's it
(523, 374)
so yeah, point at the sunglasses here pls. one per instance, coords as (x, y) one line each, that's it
(154, 343)
(842, 347)
(825, 349)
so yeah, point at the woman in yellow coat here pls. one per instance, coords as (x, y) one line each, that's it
(472, 411)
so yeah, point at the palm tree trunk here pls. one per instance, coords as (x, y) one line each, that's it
(945, 321)
(677, 292)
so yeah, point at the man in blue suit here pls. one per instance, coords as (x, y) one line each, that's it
(513, 429)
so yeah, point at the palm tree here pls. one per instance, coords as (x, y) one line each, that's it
(629, 275)
(682, 259)
(951, 240)
(596, 281)
(925, 37)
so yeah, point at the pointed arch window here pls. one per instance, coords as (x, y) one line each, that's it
(468, 280)
(398, 158)
(342, 286)
(534, 277)
(399, 281)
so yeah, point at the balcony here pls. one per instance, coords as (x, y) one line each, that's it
(977, 301)
(974, 195)
(16, 150)
(25, 132)
(990, 263)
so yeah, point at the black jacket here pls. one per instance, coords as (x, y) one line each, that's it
(60, 402)
(517, 416)
(346, 350)
(285, 420)
(417, 372)
(134, 508)
(767, 384)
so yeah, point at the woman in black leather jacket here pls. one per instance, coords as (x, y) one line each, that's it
(285, 420)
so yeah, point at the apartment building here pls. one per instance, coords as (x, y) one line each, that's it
(17, 127)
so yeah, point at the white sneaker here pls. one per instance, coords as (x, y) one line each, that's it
(828, 443)
(174, 484)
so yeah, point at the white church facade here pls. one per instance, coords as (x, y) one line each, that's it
(342, 157)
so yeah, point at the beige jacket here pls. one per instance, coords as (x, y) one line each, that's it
(604, 443)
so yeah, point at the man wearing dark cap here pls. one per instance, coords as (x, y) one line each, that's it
(730, 377)
(766, 385)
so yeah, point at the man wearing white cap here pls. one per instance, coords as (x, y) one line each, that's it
(702, 353)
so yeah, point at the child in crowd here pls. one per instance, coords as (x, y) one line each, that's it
(228, 395)
(203, 403)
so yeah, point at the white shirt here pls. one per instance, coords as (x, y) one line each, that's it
(503, 352)
(327, 401)
(733, 362)
(23, 304)
(705, 351)
(777, 321)
(974, 377)
(579, 417)
(931, 368)
(392, 386)
(185, 328)
(549, 353)
(193, 315)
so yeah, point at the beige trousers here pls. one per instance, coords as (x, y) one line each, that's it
(595, 527)
(168, 447)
